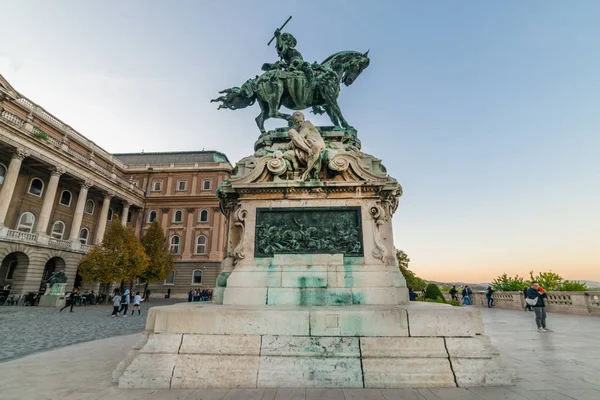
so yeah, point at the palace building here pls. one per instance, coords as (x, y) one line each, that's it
(59, 190)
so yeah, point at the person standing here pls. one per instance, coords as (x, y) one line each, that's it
(147, 297)
(125, 303)
(190, 295)
(527, 306)
(116, 301)
(488, 294)
(466, 295)
(535, 299)
(453, 293)
(136, 303)
(412, 296)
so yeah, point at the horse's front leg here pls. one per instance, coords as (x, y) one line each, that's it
(332, 116)
(338, 112)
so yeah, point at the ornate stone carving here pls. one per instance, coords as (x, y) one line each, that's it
(21, 153)
(378, 214)
(87, 184)
(190, 210)
(331, 230)
(240, 222)
(58, 170)
(165, 210)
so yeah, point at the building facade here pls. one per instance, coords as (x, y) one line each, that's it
(59, 190)
(180, 193)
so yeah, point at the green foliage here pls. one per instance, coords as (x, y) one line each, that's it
(160, 264)
(506, 283)
(454, 303)
(120, 257)
(412, 281)
(433, 292)
(445, 288)
(573, 286)
(41, 135)
(548, 280)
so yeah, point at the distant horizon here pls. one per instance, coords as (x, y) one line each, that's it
(485, 112)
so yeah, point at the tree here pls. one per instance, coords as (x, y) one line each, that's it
(433, 292)
(548, 280)
(506, 283)
(161, 262)
(573, 286)
(120, 257)
(412, 281)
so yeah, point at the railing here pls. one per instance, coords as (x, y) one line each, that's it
(563, 302)
(61, 244)
(12, 118)
(86, 247)
(19, 236)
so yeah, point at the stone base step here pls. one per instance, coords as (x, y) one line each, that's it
(425, 345)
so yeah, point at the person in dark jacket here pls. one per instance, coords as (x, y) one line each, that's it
(412, 295)
(527, 306)
(488, 294)
(70, 300)
(535, 298)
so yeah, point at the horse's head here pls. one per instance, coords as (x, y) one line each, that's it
(354, 66)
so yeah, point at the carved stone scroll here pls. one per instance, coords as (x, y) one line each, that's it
(379, 250)
(240, 222)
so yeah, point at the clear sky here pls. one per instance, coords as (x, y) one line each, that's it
(487, 112)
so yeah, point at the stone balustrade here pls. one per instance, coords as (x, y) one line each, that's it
(563, 302)
(13, 235)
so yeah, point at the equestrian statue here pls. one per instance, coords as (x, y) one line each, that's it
(296, 84)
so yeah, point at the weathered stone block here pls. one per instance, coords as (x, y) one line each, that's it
(215, 371)
(245, 295)
(313, 346)
(220, 345)
(309, 372)
(476, 347)
(407, 373)
(403, 347)
(290, 321)
(149, 371)
(162, 343)
(481, 372)
(441, 320)
(309, 296)
(358, 321)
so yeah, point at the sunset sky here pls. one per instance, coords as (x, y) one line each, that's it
(487, 113)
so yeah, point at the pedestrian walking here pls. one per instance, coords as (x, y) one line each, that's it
(488, 294)
(136, 303)
(535, 299)
(71, 300)
(191, 295)
(147, 296)
(125, 302)
(527, 306)
(116, 301)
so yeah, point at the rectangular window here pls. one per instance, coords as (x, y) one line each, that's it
(206, 184)
(156, 186)
(181, 185)
(171, 279)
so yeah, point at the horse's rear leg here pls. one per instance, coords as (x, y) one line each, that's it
(260, 119)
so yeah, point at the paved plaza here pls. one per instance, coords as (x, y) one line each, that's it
(27, 330)
(563, 365)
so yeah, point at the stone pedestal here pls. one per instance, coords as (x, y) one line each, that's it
(310, 294)
(55, 297)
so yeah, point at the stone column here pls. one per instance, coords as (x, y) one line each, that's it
(216, 251)
(125, 212)
(164, 223)
(79, 208)
(189, 244)
(48, 202)
(101, 227)
(10, 180)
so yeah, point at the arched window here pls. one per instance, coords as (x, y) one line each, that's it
(12, 265)
(151, 216)
(196, 276)
(26, 222)
(178, 216)
(58, 230)
(65, 198)
(201, 244)
(89, 207)
(2, 173)
(84, 235)
(206, 184)
(174, 247)
(156, 186)
(110, 214)
(36, 187)
(203, 216)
